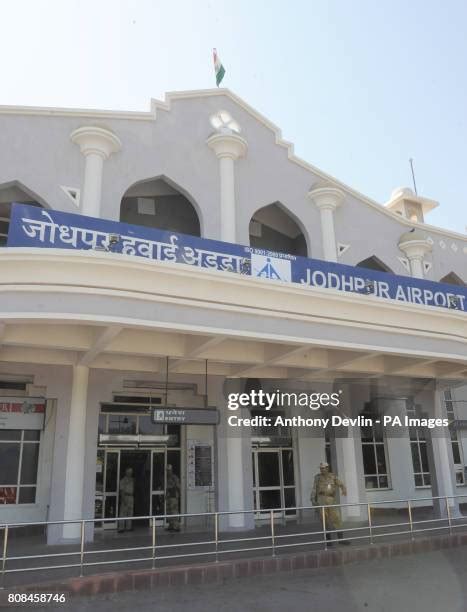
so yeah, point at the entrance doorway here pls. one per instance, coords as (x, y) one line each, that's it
(140, 463)
(149, 471)
(273, 481)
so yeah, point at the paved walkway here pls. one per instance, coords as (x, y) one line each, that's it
(429, 582)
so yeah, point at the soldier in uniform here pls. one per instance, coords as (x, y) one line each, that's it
(172, 498)
(324, 494)
(127, 491)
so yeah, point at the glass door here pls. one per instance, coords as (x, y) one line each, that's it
(111, 482)
(273, 481)
(158, 478)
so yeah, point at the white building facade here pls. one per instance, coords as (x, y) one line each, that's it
(98, 339)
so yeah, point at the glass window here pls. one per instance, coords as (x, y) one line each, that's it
(270, 499)
(375, 465)
(100, 460)
(421, 469)
(29, 463)
(19, 458)
(369, 461)
(287, 467)
(9, 460)
(371, 482)
(10, 434)
(158, 471)
(122, 424)
(32, 435)
(457, 455)
(111, 469)
(268, 469)
(383, 482)
(415, 457)
(110, 506)
(27, 495)
(158, 504)
(289, 498)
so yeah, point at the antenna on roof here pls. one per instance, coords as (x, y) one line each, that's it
(413, 176)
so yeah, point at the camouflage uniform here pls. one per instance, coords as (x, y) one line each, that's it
(127, 490)
(324, 494)
(172, 500)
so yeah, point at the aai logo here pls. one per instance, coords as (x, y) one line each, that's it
(272, 268)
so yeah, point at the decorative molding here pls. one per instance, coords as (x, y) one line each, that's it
(165, 105)
(342, 248)
(405, 262)
(73, 193)
(427, 266)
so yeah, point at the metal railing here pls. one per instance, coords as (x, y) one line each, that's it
(267, 521)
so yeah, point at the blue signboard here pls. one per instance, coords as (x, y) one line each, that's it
(32, 226)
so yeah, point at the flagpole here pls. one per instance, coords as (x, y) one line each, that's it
(413, 176)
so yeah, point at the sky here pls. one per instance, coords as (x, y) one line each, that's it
(359, 87)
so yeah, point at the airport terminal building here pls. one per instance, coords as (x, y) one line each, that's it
(152, 263)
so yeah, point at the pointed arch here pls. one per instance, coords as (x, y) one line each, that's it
(160, 203)
(16, 191)
(374, 263)
(10, 192)
(275, 228)
(452, 279)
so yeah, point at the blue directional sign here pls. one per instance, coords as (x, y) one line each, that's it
(31, 226)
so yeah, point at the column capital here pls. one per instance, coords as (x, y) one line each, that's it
(228, 144)
(91, 139)
(414, 244)
(328, 198)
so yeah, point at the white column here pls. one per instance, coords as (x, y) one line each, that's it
(440, 460)
(327, 199)
(76, 448)
(398, 450)
(235, 482)
(346, 453)
(228, 147)
(416, 266)
(227, 199)
(96, 145)
(415, 246)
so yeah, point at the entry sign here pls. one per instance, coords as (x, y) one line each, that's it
(22, 412)
(186, 416)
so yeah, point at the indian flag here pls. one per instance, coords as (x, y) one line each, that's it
(218, 68)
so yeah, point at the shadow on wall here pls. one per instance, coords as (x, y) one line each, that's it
(160, 204)
(274, 229)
